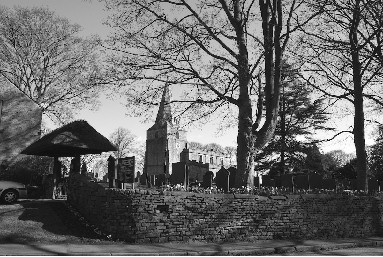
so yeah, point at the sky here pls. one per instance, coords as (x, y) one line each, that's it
(90, 14)
(112, 113)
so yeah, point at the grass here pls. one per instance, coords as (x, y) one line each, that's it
(44, 221)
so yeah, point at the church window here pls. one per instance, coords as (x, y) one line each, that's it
(178, 135)
(200, 158)
(211, 160)
(222, 161)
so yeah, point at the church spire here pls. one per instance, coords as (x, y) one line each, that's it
(164, 112)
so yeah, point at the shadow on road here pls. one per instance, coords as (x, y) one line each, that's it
(35, 221)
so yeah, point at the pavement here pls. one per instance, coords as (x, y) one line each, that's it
(269, 247)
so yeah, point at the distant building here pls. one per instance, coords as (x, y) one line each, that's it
(20, 123)
(167, 149)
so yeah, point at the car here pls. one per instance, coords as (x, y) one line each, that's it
(11, 191)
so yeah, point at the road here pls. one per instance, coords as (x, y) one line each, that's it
(358, 251)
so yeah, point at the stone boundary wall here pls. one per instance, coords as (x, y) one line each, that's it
(141, 217)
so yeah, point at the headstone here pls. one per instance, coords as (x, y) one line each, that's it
(329, 184)
(222, 179)
(287, 180)
(267, 181)
(344, 184)
(84, 169)
(138, 177)
(159, 180)
(233, 173)
(373, 185)
(315, 181)
(278, 181)
(75, 165)
(301, 182)
(126, 169)
(256, 182)
(142, 179)
(353, 184)
(111, 167)
(208, 179)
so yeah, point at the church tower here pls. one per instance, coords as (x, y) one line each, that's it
(164, 142)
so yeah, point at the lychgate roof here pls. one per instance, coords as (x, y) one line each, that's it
(75, 138)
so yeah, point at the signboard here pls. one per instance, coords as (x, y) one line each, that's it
(126, 169)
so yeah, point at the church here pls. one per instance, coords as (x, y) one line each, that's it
(169, 156)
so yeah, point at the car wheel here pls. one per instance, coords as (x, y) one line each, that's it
(10, 196)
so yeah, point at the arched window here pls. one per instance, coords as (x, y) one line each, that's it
(211, 160)
(178, 135)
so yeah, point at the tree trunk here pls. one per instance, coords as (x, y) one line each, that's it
(245, 160)
(359, 140)
(283, 134)
(249, 138)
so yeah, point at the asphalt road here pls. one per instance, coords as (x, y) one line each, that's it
(358, 251)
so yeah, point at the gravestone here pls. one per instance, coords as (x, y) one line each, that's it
(267, 181)
(208, 179)
(329, 184)
(256, 182)
(344, 184)
(159, 180)
(301, 182)
(287, 180)
(126, 169)
(138, 177)
(233, 173)
(75, 165)
(278, 181)
(111, 167)
(373, 185)
(315, 181)
(353, 184)
(84, 169)
(222, 179)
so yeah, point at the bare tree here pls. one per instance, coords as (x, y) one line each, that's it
(124, 141)
(211, 52)
(345, 47)
(43, 57)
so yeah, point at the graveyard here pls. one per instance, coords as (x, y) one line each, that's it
(296, 81)
(189, 194)
(185, 201)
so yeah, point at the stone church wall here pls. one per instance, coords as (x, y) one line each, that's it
(20, 123)
(142, 216)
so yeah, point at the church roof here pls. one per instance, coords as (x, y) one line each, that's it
(164, 114)
(75, 138)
